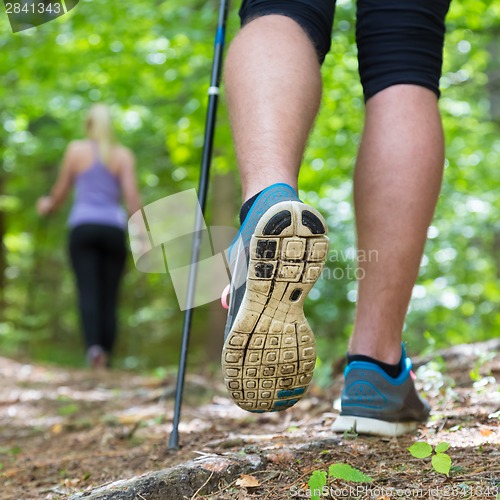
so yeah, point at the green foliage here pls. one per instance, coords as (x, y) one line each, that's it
(15, 450)
(151, 63)
(69, 409)
(316, 483)
(475, 372)
(348, 473)
(318, 479)
(441, 462)
(154, 71)
(420, 450)
(442, 447)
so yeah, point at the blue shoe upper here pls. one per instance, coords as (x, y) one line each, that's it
(238, 251)
(405, 363)
(266, 199)
(371, 393)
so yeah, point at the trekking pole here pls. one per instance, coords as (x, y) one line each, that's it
(213, 97)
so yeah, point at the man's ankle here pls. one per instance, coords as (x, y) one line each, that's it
(393, 370)
(247, 205)
(245, 208)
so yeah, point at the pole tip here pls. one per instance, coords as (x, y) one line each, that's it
(173, 440)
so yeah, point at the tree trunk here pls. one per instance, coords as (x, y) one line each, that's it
(494, 78)
(494, 92)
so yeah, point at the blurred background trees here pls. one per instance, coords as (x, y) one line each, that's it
(151, 63)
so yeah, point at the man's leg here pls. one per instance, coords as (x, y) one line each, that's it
(396, 186)
(397, 181)
(273, 88)
(399, 168)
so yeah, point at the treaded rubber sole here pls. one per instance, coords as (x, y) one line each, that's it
(372, 426)
(269, 355)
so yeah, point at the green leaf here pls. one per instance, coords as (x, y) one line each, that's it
(348, 473)
(441, 447)
(420, 449)
(441, 462)
(474, 375)
(66, 410)
(316, 483)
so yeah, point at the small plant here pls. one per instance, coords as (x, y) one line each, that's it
(351, 434)
(316, 483)
(475, 372)
(441, 461)
(318, 479)
(348, 473)
(67, 410)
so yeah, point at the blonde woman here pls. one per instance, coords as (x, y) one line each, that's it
(102, 172)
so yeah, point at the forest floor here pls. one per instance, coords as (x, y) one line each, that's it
(65, 431)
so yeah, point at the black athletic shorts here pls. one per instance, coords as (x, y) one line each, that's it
(399, 41)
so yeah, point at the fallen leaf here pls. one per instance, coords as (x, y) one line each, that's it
(280, 457)
(56, 429)
(486, 432)
(71, 482)
(10, 473)
(130, 419)
(246, 481)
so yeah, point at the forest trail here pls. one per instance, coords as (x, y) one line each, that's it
(65, 432)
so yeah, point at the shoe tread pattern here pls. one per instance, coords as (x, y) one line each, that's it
(269, 356)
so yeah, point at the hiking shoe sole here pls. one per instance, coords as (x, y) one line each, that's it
(269, 354)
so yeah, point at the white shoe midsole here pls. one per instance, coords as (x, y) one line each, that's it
(372, 426)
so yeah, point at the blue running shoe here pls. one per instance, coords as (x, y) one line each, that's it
(269, 350)
(377, 404)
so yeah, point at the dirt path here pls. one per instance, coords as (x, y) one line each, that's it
(68, 431)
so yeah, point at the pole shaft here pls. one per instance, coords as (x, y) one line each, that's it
(202, 197)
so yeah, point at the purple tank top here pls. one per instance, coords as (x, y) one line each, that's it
(97, 197)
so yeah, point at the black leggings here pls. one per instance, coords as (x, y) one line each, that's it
(399, 41)
(98, 255)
